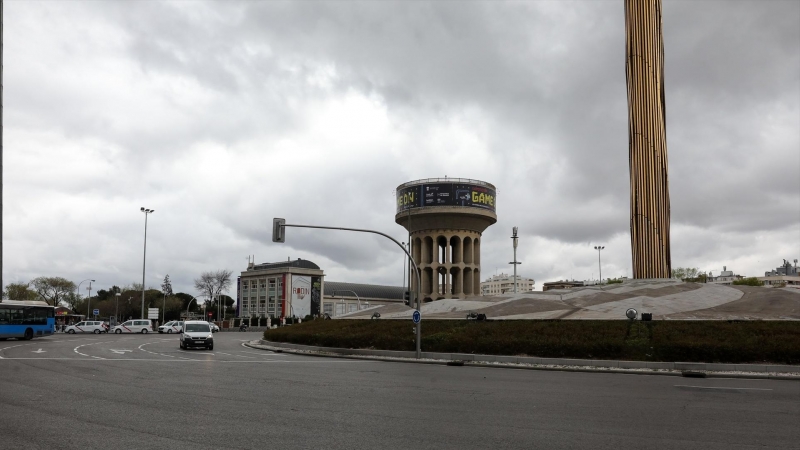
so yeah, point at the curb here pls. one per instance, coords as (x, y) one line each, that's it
(560, 368)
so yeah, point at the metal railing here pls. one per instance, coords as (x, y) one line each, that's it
(445, 180)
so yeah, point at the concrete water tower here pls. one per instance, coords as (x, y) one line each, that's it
(445, 218)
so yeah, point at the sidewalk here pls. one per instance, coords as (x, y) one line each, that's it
(765, 371)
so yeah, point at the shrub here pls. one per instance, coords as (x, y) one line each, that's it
(706, 341)
(752, 281)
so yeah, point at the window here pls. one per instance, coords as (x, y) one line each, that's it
(327, 308)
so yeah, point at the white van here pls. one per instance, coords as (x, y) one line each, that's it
(134, 326)
(176, 326)
(87, 326)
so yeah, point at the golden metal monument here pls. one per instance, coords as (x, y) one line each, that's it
(647, 134)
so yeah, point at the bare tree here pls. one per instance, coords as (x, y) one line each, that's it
(53, 289)
(213, 284)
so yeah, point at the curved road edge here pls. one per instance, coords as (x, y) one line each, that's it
(704, 370)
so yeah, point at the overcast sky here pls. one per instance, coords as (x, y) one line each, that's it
(223, 115)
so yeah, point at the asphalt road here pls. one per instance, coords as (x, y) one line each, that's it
(141, 391)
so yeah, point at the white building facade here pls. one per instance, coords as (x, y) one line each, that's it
(726, 277)
(504, 284)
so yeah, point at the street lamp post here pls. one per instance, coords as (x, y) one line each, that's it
(599, 267)
(358, 299)
(144, 258)
(190, 304)
(116, 310)
(404, 264)
(164, 308)
(89, 305)
(78, 293)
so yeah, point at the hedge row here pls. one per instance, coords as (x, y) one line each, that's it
(686, 341)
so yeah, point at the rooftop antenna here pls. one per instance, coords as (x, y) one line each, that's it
(515, 263)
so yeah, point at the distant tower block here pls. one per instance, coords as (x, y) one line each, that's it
(445, 218)
(647, 151)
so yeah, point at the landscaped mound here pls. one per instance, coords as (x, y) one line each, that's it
(684, 341)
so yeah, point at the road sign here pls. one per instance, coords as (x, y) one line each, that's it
(152, 313)
(96, 312)
(416, 317)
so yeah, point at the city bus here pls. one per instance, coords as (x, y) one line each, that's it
(26, 319)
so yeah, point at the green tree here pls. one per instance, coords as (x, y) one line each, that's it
(75, 303)
(682, 273)
(752, 281)
(53, 289)
(19, 291)
(166, 286)
(173, 308)
(185, 299)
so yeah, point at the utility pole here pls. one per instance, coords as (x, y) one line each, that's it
(515, 263)
(2, 178)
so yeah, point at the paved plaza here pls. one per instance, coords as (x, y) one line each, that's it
(665, 299)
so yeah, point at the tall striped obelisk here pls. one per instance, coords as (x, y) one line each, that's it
(647, 135)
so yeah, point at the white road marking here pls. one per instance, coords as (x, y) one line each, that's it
(13, 346)
(120, 352)
(160, 354)
(259, 354)
(39, 351)
(722, 387)
(84, 345)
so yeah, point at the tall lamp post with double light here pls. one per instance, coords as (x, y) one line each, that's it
(599, 267)
(144, 258)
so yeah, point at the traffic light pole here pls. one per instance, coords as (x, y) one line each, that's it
(279, 235)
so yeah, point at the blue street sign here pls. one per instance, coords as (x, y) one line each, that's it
(416, 317)
(96, 312)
